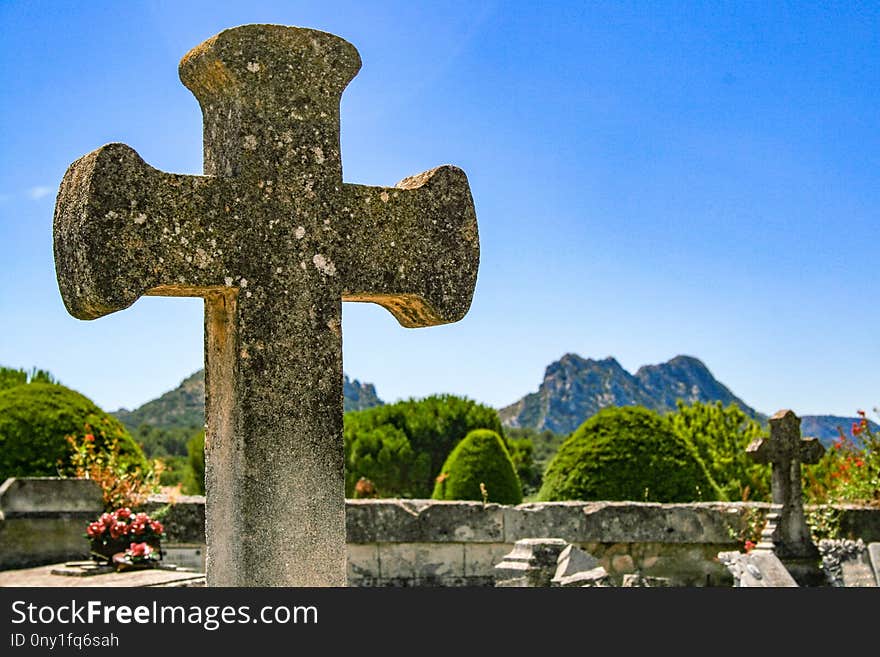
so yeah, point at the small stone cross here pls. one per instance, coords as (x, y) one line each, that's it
(273, 240)
(786, 451)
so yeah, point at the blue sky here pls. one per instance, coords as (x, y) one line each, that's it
(650, 179)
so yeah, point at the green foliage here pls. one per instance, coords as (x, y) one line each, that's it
(401, 447)
(849, 472)
(627, 453)
(196, 458)
(35, 419)
(9, 377)
(720, 436)
(164, 441)
(545, 444)
(479, 468)
(175, 471)
(522, 454)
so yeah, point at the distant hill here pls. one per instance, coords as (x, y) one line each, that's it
(825, 427)
(575, 388)
(185, 405)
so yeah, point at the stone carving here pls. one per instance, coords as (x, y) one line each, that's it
(273, 240)
(786, 532)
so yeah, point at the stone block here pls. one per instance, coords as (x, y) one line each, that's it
(363, 565)
(423, 521)
(32, 495)
(480, 559)
(420, 564)
(563, 520)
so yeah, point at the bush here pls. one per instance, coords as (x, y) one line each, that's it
(401, 447)
(479, 468)
(627, 453)
(720, 436)
(35, 420)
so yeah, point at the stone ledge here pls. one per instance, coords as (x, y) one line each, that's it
(23, 495)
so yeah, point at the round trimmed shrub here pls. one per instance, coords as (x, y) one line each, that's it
(35, 418)
(627, 453)
(480, 458)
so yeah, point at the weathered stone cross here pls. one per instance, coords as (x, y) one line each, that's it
(274, 241)
(787, 533)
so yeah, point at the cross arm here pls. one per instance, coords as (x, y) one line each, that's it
(123, 229)
(811, 450)
(414, 248)
(761, 450)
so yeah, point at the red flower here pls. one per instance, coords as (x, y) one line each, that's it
(862, 413)
(750, 545)
(89, 438)
(157, 527)
(95, 529)
(123, 514)
(139, 550)
(859, 463)
(118, 530)
(857, 428)
(108, 520)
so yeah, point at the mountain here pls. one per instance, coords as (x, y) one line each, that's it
(825, 427)
(575, 388)
(185, 405)
(182, 407)
(357, 396)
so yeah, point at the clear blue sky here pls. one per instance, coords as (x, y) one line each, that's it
(650, 178)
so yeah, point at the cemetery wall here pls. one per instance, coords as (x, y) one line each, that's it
(395, 542)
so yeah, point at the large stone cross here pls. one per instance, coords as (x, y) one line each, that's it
(785, 450)
(274, 241)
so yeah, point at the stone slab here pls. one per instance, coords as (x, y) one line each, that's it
(874, 557)
(423, 521)
(757, 569)
(42, 576)
(857, 572)
(35, 495)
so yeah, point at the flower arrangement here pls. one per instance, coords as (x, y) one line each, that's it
(137, 555)
(123, 531)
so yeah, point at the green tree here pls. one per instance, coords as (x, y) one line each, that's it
(522, 454)
(196, 459)
(479, 468)
(627, 453)
(401, 447)
(720, 436)
(35, 420)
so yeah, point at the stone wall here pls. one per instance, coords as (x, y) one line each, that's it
(43, 520)
(429, 543)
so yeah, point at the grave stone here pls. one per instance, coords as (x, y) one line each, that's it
(531, 563)
(757, 569)
(874, 558)
(847, 563)
(786, 533)
(273, 240)
(574, 567)
(637, 580)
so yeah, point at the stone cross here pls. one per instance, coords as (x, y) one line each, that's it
(274, 241)
(788, 535)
